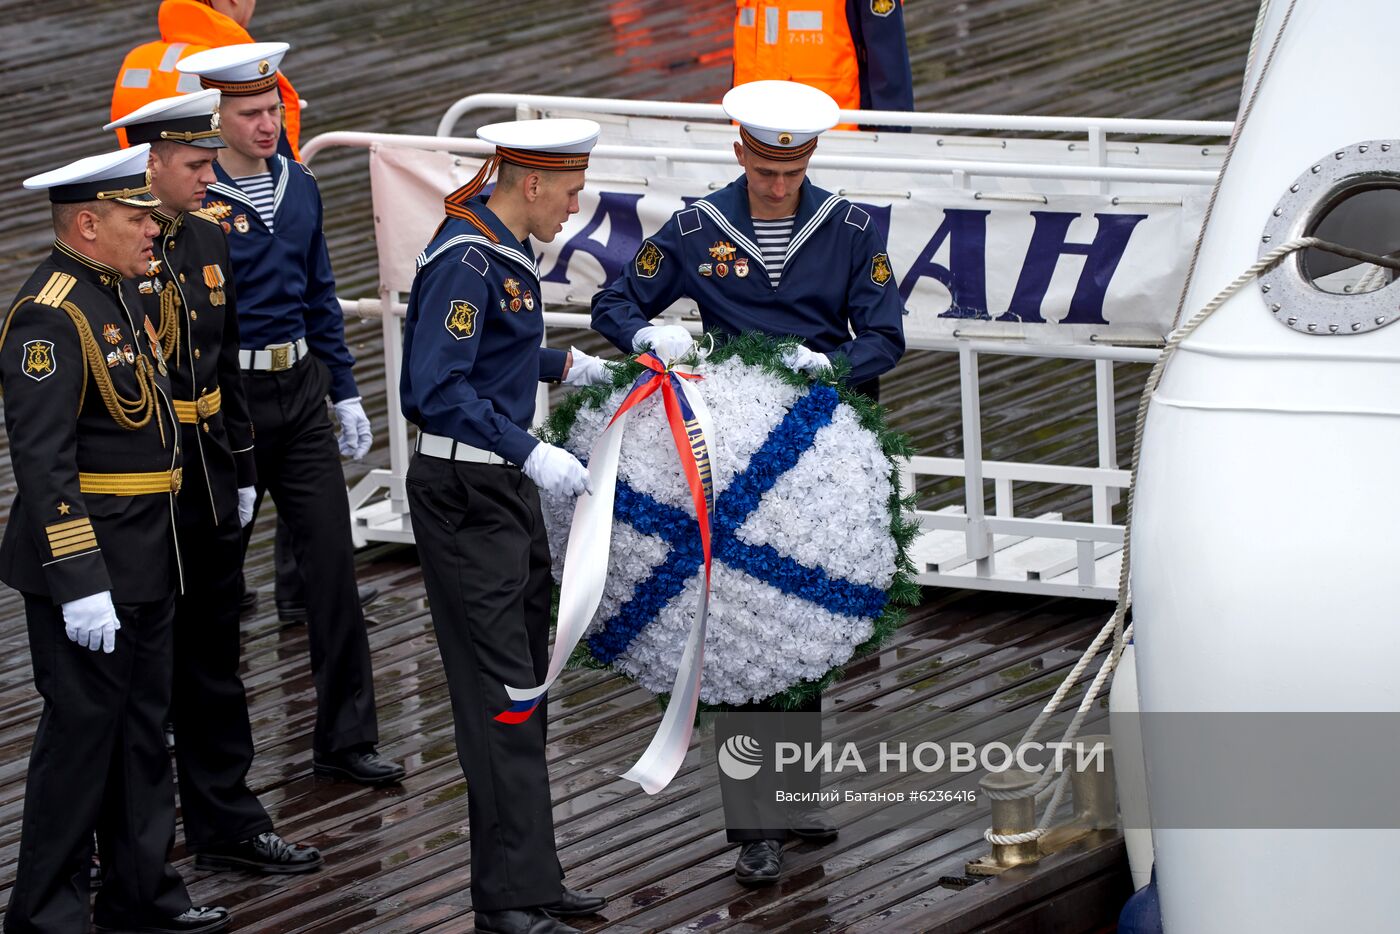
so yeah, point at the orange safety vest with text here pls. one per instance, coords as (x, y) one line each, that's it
(186, 27)
(808, 41)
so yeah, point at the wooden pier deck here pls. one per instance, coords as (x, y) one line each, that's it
(397, 860)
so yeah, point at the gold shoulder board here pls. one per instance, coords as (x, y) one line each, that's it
(55, 290)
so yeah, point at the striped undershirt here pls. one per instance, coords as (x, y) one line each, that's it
(773, 240)
(259, 188)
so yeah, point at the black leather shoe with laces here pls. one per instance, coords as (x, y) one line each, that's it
(266, 853)
(198, 920)
(760, 862)
(520, 921)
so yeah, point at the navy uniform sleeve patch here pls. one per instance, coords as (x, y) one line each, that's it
(882, 7)
(880, 271)
(688, 221)
(476, 260)
(648, 260)
(39, 362)
(461, 320)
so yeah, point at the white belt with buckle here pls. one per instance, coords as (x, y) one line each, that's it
(450, 450)
(274, 357)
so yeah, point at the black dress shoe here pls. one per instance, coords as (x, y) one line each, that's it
(294, 611)
(811, 822)
(573, 904)
(265, 853)
(358, 765)
(189, 921)
(760, 862)
(520, 921)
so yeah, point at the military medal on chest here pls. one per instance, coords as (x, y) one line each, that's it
(741, 267)
(154, 338)
(512, 287)
(214, 279)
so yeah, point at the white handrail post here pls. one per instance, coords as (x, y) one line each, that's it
(979, 537)
(1098, 155)
(1105, 497)
(398, 425)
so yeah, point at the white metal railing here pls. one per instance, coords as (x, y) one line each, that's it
(653, 154)
(544, 103)
(384, 517)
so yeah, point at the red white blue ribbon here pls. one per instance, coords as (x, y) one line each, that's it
(590, 542)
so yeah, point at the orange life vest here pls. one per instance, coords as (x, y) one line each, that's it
(187, 26)
(808, 41)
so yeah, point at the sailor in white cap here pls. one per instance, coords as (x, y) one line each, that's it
(292, 334)
(472, 365)
(91, 544)
(190, 292)
(772, 253)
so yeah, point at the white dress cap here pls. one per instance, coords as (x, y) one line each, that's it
(555, 134)
(239, 70)
(113, 176)
(192, 119)
(782, 114)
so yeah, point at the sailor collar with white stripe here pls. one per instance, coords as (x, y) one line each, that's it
(729, 209)
(508, 248)
(226, 187)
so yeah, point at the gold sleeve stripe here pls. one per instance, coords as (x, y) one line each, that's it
(56, 289)
(87, 544)
(66, 537)
(70, 524)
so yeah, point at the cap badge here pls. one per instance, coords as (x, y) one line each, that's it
(784, 139)
(264, 67)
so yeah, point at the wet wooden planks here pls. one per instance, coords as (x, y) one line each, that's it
(397, 860)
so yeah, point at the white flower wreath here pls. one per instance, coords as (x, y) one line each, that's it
(802, 541)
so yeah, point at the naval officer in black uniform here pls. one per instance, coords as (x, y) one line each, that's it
(190, 294)
(472, 364)
(90, 543)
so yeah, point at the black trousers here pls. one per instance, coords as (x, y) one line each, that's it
(751, 811)
(481, 541)
(299, 465)
(98, 764)
(214, 741)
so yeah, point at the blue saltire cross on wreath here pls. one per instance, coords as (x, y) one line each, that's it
(780, 452)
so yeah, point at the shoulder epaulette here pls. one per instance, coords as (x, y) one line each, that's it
(56, 290)
(205, 214)
(307, 169)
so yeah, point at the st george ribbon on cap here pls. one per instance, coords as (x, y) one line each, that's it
(119, 176)
(237, 70)
(780, 120)
(551, 145)
(191, 119)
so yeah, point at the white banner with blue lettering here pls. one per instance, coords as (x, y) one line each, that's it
(1009, 258)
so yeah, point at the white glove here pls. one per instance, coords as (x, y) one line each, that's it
(355, 435)
(91, 621)
(670, 341)
(556, 470)
(247, 496)
(802, 360)
(587, 370)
